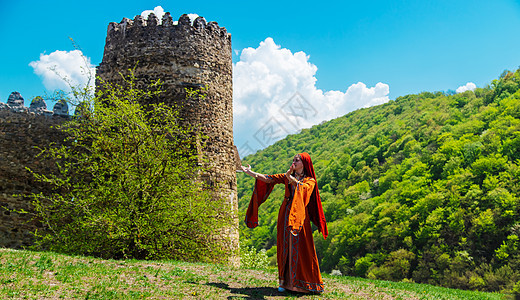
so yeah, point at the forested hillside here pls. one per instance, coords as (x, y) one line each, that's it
(424, 188)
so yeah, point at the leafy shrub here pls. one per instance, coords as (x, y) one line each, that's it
(396, 267)
(516, 288)
(252, 259)
(362, 265)
(127, 184)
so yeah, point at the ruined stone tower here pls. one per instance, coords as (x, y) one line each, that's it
(183, 54)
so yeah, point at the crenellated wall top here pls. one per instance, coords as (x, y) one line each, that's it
(15, 103)
(184, 24)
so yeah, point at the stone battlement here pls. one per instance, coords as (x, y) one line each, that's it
(15, 103)
(167, 24)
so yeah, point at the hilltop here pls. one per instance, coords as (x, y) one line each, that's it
(424, 188)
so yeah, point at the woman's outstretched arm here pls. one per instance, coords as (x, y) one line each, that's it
(255, 175)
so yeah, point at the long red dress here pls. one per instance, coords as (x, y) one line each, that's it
(298, 268)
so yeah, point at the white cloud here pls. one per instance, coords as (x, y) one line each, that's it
(275, 94)
(274, 91)
(61, 68)
(158, 11)
(193, 17)
(470, 86)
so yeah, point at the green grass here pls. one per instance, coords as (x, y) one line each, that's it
(402, 290)
(46, 275)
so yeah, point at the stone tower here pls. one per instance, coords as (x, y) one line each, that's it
(183, 54)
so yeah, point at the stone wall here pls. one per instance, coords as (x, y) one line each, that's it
(183, 54)
(23, 131)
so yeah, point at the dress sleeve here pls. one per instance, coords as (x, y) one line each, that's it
(278, 178)
(260, 194)
(302, 195)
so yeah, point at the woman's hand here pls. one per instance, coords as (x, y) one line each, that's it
(290, 171)
(247, 169)
(255, 175)
(288, 174)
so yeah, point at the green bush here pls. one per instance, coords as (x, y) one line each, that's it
(362, 265)
(127, 184)
(516, 288)
(396, 267)
(252, 259)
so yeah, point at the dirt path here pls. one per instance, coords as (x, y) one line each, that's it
(254, 284)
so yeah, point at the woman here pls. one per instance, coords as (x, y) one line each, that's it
(298, 268)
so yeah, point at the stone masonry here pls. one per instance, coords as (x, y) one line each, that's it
(23, 131)
(183, 55)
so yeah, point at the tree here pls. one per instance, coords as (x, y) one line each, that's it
(127, 183)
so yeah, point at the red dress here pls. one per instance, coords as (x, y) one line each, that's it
(298, 268)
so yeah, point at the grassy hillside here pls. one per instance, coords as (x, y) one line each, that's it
(47, 275)
(424, 188)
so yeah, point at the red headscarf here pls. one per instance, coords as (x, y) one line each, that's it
(315, 209)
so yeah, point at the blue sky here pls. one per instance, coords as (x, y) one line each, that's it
(336, 55)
